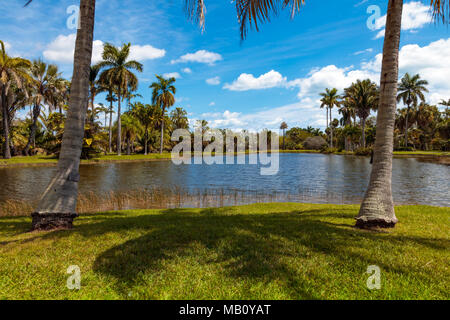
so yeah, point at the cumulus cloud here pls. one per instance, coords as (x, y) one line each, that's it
(175, 75)
(146, 52)
(247, 81)
(415, 16)
(201, 56)
(426, 61)
(212, 104)
(305, 111)
(62, 50)
(213, 81)
(187, 70)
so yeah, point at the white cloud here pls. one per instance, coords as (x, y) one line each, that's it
(247, 81)
(363, 51)
(62, 49)
(175, 75)
(145, 52)
(302, 114)
(212, 104)
(330, 77)
(415, 16)
(201, 56)
(213, 81)
(426, 61)
(187, 70)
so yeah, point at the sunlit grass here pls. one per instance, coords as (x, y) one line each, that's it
(262, 251)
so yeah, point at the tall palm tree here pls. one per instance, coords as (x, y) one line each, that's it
(13, 71)
(330, 98)
(119, 74)
(57, 206)
(283, 127)
(410, 91)
(46, 79)
(363, 96)
(377, 208)
(163, 96)
(94, 87)
(111, 98)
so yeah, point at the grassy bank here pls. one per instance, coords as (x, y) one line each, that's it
(263, 251)
(51, 160)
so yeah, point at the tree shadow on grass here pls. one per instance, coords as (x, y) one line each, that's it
(246, 246)
(250, 246)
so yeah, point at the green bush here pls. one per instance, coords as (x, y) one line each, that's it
(330, 150)
(363, 151)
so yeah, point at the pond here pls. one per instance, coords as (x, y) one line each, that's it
(314, 178)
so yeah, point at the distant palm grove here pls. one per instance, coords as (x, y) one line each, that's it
(146, 127)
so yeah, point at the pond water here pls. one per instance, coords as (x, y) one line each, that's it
(302, 177)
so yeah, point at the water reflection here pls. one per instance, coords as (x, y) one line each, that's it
(304, 177)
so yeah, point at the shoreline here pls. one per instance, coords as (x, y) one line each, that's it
(49, 161)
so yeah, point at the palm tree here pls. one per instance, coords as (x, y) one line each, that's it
(363, 97)
(179, 118)
(348, 113)
(57, 206)
(283, 127)
(118, 74)
(93, 84)
(146, 114)
(377, 208)
(330, 98)
(410, 90)
(13, 71)
(111, 98)
(46, 79)
(131, 129)
(163, 96)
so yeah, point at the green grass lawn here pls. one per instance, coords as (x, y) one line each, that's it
(51, 160)
(261, 251)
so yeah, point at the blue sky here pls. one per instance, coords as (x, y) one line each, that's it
(274, 75)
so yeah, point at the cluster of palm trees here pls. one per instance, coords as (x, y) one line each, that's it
(41, 87)
(28, 83)
(362, 97)
(377, 208)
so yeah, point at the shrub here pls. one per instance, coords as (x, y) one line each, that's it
(363, 151)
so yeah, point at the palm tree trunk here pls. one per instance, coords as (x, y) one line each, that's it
(162, 132)
(363, 129)
(5, 116)
(110, 125)
(162, 137)
(32, 137)
(377, 208)
(331, 128)
(406, 126)
(57, 207)
(146, 141)
(119, 128)
(128, 146)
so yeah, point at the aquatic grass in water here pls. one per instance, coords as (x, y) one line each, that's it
(170, 198)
